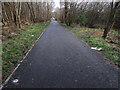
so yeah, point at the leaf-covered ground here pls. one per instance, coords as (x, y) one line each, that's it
(109, 46)
(15, 48)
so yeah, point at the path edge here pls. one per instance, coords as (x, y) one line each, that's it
(2, 85)
(89, 46)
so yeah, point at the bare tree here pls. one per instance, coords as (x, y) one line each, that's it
(66, 11)
(111, 21)
(19, 12)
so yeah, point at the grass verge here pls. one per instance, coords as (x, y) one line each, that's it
(110, 46)
(15, 49)
(0, 62)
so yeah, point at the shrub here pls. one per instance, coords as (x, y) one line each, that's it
(82, 19)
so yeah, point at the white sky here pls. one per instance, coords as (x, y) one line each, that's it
(57, 3)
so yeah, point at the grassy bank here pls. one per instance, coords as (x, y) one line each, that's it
(15, 48)
(110, 47)
(0, 62)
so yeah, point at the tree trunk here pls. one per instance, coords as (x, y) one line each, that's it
(111, 21)
(66, 11)
(19, 14)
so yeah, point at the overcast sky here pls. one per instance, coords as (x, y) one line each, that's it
(57, 3)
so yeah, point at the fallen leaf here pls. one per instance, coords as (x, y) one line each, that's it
(86, 75)
(32, 78)
(73, 72)
(76, 62)
(76, 81)
(16, 84)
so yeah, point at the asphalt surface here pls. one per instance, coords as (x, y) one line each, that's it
(60, 60)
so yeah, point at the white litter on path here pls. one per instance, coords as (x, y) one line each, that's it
(32, 35)
(15, 80)
(95, 48)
